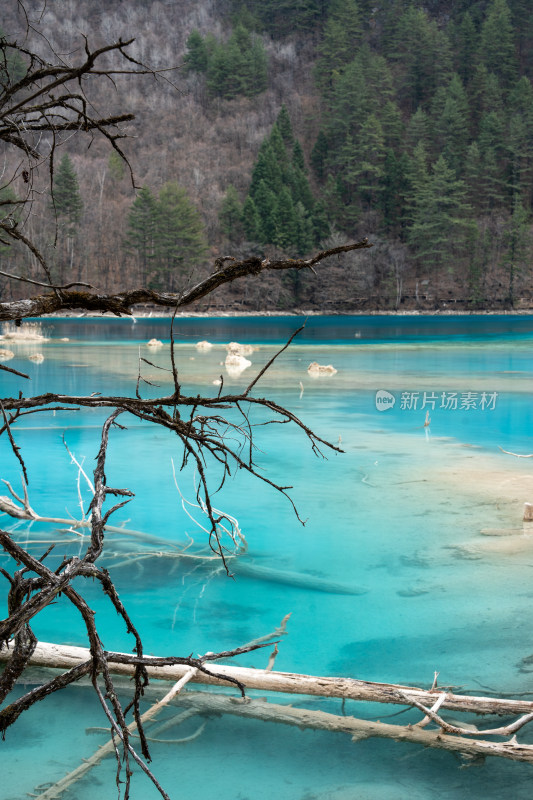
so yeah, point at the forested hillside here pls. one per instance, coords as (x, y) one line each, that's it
(289, 125)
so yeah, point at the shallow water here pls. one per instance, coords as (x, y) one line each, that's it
(410, 517)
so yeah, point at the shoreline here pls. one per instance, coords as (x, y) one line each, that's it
(293, 313)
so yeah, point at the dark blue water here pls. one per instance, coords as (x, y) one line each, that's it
(327, 328)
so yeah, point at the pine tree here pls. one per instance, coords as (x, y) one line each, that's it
(321, 226)
(180, 242)
(283, 123)
(67, 202)
(267, 169)
(305, 231)
(441, 217)
(518, 241)
(319, 155)
(278, 187)
(116, 166)
(342, 35)
(394, 191)
(250, 220)
(520, 141)
(467, 46)
(392, 125)
(141, 230)
(349, 105)
(237, 67)
(451, 124)
(497, 47)
(417, 131)
(196, 57)
(285, 221)
(422, 53)
(474, 177)
(477, 89)
(230, 215)
(266, 204)
(369, 156)
(67, 208)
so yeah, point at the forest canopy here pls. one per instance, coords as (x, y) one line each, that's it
(411, 122)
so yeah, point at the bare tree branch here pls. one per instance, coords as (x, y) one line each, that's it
(122, 303)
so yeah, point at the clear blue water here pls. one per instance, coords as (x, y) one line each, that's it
(427, 520)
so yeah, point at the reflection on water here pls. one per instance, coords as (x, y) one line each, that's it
(419, 528)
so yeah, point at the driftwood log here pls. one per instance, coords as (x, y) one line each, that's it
(467, 741)
(61, 656)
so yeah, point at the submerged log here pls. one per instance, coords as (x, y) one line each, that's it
(358, 729)
(298, 579)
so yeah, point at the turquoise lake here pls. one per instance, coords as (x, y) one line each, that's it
(421, 515)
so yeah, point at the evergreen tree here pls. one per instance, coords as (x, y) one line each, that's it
(467, 46)
(319, 155)
(451, 124)
(497, 46)
(279, 206)
(279, 150)
(196, 57)
(250, 220)
(180, 242)
(285, 17)
(305, 231)
(237, 67)
(342, 35)
(370, 157)
(349, 105)
(474, 177)
(66, 197)
(441, 217)
(116, 166)
(283, 123)
(230, 215)
(477, 89)
(321, 226)
(67, 207)
(392, 125)
(394, 191)
(422, 53)
(141, 230)
(518, 241)
(219, 73)
(267, 169)
(520, 141)
(417, 131)
(285, 221)
(266, 205)
(494, 186)
(298, 160)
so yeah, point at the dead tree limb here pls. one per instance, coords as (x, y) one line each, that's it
(123, 302)
(60, 656)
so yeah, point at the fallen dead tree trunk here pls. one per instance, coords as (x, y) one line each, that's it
(66, 656)
(358, 729)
